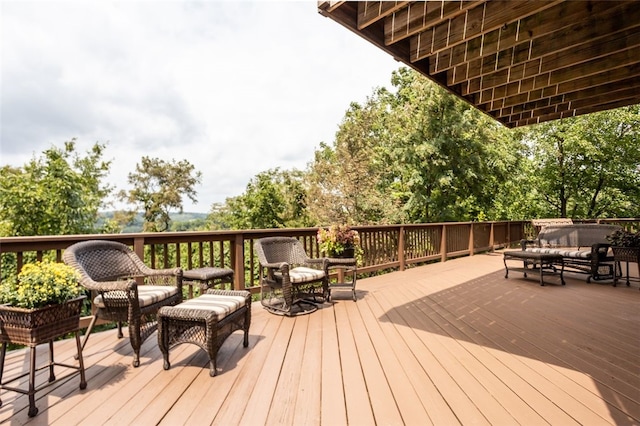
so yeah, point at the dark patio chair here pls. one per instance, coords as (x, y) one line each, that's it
(124, 288)
(291, 282)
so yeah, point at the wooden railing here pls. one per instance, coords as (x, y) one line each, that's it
(389, 247)
(385, 247)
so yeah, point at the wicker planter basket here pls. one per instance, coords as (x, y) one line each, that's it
(33, 326)
(347, 253)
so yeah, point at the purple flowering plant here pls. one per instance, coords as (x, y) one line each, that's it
(337, 238)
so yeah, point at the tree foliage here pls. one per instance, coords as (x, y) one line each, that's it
(346, 179)
(159, 187)
(415, 155)
(59, 193)
(273, 199)
(419, 154)
(588, 166)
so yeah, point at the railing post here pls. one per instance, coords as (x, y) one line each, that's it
(238, 262)
(491, 238)
(401, 248)
(443, 243)
(471, 239)
(138, 247)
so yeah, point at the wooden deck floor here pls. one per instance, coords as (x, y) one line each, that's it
(444, 344)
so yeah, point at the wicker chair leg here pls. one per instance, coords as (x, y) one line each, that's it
(83, 380)
(135, 344)
(247, 323)
(135, 339)
(212, 365)
(87, 333)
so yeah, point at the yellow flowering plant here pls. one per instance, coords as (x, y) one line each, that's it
(40, 284)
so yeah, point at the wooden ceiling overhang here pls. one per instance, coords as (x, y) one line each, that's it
(521, 62)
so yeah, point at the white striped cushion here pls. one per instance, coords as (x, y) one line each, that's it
(303, 274)
(219, 304)
(575, 254)
(147, 295)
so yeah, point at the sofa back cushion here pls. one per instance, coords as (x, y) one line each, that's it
(578, 235)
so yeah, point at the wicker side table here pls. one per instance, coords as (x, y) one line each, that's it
(207, 277)
(31, 327)
(205, 321)
(627, 255)
(344, 267)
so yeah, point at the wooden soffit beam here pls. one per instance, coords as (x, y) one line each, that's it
(518, 61)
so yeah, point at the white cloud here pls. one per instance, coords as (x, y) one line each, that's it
(235, 88)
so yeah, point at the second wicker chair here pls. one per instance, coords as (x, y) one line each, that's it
(291, 282)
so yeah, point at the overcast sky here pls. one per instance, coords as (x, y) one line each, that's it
(235, 88)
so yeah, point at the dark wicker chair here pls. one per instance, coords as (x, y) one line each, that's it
(125, 289)
(291, 282)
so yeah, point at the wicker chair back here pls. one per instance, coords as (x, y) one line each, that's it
(281, 249)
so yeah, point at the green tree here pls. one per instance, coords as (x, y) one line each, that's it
(159, 187)
(446, 160)
(346, 179)
(588, 166)
(273, 199)
(59, 193)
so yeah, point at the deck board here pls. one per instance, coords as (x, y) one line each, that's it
(446, 343)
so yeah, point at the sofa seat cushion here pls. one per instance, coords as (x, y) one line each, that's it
(567, 252)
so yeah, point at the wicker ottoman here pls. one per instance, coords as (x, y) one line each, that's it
(205, 321)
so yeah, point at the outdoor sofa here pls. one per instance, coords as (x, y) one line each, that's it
(584, 248)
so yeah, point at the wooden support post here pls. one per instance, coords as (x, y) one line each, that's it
(491, 238)
(401, 249)
(237, 260)
(471, 239)
(443, 243)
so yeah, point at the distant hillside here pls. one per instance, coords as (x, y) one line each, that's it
(179, 221)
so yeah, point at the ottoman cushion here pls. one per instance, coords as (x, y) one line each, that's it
(220, 305)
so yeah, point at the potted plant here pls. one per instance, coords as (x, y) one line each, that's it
(339, 241)
(625, 245)
(44, 301)
(626, 248)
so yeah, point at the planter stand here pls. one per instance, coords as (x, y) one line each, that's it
(64, 319)
(627, 255)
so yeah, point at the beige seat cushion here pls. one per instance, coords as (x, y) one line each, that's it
(303, 274)
(147, 295)
(218, 304)
(564, 252)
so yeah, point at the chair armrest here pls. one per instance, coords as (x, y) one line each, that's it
(102, 286)
(318, 261)
(600, 250)
(169, 271)
(277, 265)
